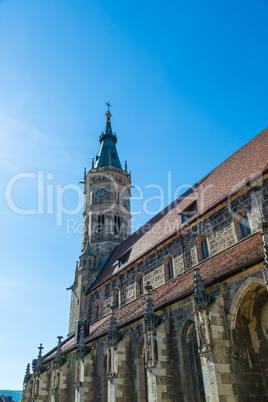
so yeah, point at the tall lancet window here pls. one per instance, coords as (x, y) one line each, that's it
(139, 285)
(195, 363)
(142, 373)
(168, 268)
(242, 225)
(116, 298)
(117, 225)
(100, 227)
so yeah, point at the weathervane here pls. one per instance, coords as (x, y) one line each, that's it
(108, 113)
(108, 104)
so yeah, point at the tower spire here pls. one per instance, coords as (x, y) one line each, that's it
(106, 218)
(107, 155)
(108, 126)
(108, 113)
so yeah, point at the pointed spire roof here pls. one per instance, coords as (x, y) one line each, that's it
(87, 250)
(108, 155)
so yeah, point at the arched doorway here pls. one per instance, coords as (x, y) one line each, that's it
(250, 343)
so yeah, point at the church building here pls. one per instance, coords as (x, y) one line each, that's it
(178, 310)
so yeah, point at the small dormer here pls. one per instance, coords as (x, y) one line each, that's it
(190, 211)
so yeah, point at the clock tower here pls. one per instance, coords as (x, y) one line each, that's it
(106, 217)
(107, 188)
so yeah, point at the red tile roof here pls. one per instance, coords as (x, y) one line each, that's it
(66, 345)
(246, 251)
(245, 164)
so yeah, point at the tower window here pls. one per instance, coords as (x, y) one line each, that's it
(168, 269)
(117, 224)
(101, 219)
(139, 285)
(117, 197)
(100, 226)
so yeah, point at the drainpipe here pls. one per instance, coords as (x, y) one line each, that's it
(182, 247)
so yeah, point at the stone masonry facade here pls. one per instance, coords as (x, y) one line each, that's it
(180, 317)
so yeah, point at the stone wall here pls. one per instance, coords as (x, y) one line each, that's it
(234, 370)
(219, 228)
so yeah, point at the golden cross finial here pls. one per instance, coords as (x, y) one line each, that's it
(108, 113)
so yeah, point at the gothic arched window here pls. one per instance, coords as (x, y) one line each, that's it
(142, 374)
(100, 227)
(195, 363)
(86, 230)
(168, 268)
(139, 285)
(117, 224)
(96, 310)
(105, 381)
(242, 227)
(202, 248)
(116, 298)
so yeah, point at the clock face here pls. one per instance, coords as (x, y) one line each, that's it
(101, 192)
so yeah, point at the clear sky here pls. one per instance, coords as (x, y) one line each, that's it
(188, 85)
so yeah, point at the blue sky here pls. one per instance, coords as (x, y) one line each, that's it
(188, 84)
